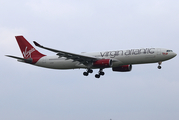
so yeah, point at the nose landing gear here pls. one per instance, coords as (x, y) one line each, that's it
(159, 65)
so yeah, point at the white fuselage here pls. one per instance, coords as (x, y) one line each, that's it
(119, 57)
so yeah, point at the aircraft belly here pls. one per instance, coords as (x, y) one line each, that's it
(137, 59)
(57, 63)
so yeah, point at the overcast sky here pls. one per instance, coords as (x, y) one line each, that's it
(33, 93)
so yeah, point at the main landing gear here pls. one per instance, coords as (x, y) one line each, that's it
(87, 72)
(91, 71)
(159, 65)
(99, 73)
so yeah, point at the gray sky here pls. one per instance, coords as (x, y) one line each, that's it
(29, 92)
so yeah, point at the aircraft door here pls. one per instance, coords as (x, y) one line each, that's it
(158, 51)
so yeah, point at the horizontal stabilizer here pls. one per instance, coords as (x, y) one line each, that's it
(20, 59)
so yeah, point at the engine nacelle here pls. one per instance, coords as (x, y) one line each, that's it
(123, 68)
(103, 63)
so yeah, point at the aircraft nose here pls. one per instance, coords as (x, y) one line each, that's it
(173, 55)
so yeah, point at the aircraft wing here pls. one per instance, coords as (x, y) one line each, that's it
(84, 59)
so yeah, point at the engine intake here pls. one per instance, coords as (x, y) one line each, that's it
(103, 63)
(123, 68)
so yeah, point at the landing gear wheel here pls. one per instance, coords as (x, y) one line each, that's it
(90, 71)
(101, 73)
(159, 67)
(97, 76)
(85, 73)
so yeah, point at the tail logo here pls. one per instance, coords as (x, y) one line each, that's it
(27, 54)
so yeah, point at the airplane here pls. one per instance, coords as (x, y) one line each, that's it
(119, 60)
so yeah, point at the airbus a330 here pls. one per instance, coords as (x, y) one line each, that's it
(119, 60)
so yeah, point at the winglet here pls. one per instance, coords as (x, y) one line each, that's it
(37, 44)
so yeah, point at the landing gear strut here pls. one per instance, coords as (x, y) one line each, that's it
(99, 73)
(159, 65)
(87, 72)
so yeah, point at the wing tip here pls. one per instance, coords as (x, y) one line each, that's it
(8, 55)
(37, 44)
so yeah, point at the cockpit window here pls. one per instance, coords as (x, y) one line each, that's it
(169, 51)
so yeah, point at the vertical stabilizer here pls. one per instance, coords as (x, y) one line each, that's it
(28, 51)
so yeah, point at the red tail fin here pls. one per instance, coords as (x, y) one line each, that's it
(28, 51)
